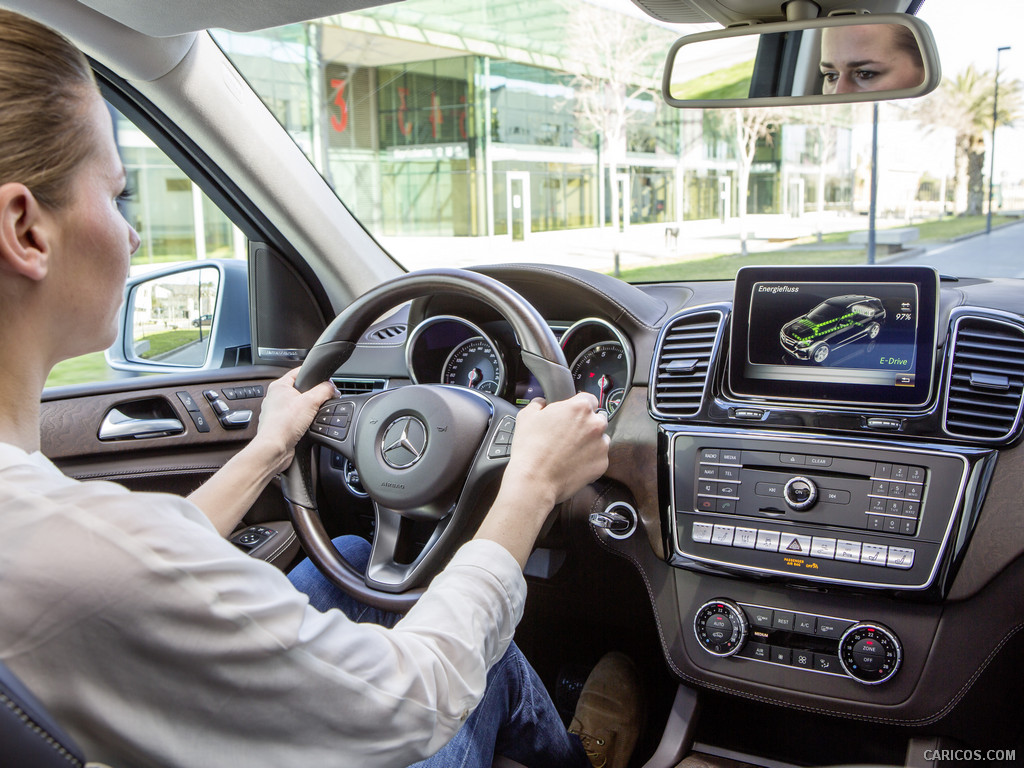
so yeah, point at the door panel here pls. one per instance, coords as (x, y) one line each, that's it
(70, 422)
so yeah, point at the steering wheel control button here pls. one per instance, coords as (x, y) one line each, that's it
(870, 653)
(501, 443)
(404, 442)
(342, 415)
(800, 493)
(720, 627)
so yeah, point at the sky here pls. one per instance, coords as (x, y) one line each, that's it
(970, 31)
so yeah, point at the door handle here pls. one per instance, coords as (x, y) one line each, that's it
(117, 426)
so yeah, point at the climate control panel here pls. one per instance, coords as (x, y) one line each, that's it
(865, 651)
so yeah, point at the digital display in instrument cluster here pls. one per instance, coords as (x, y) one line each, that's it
(857, 335)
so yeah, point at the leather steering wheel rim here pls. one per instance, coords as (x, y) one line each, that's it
(541, 354)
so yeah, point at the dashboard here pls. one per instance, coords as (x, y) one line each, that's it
(445, 349)
(830, 531)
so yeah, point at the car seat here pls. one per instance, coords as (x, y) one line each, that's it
(30, 737)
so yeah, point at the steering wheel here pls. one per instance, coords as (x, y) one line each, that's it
(424, 452)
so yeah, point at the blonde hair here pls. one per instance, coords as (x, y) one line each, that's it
(44, 84)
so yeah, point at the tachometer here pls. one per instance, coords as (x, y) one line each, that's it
(475, 364)
(602, 370)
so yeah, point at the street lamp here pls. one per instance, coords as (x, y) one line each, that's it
(992, 149)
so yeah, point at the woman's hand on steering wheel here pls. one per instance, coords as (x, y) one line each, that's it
(557, 449)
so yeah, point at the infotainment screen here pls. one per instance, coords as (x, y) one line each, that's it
(845, 335)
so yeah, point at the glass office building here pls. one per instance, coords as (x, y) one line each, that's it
(482, 122)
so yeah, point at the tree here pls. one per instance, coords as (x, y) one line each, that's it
(752, 125)
(964, 103)
(617, 61)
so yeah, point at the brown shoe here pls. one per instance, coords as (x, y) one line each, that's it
(608, 714)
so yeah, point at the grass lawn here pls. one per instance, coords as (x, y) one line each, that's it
(935, 230)
(168, 341)
(724, 267)
(77, 370)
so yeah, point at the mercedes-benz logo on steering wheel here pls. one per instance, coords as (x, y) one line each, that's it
(404, 442)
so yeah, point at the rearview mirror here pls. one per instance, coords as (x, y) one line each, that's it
(815, 61)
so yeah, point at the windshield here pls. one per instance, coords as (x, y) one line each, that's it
(463, 132)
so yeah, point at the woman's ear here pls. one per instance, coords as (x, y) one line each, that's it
(24, 234)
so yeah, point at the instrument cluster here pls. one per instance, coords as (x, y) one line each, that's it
(451, 350)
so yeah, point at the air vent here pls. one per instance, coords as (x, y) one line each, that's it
(986, 379)
(387, 333)
(359, 386)
(683, 362)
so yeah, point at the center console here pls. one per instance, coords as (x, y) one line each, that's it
(814, 511)
(821, 511)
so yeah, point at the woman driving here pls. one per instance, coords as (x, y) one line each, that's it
(151, 638)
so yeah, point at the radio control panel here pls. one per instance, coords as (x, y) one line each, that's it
(821, 510)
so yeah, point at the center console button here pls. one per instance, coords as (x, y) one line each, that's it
(873, 554)
(804, 623)
(848, 551)
(800, 493)
(782, 620)
(768, 541)
(720, 627)
(900, 558)
(835, 497)
(761, 651)
(803, 659)
(823, 547)
(759, 617)
(781, 655)
(722, 535)
(745, 538)
(833, 628)
(870, 653)
(702, 532)
(826, 662)
(794, 544)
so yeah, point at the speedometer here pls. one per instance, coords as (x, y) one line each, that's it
(475, 364)
(602, 370)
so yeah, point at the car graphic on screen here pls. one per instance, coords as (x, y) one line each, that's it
(834, 323)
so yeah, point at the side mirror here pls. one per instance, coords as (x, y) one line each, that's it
(837, 59)
(186, 317)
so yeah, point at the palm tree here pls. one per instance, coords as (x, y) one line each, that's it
(964, 103)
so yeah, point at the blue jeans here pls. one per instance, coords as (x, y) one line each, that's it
(516, 717)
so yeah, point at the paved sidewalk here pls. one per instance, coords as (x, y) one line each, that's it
(642, 245)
